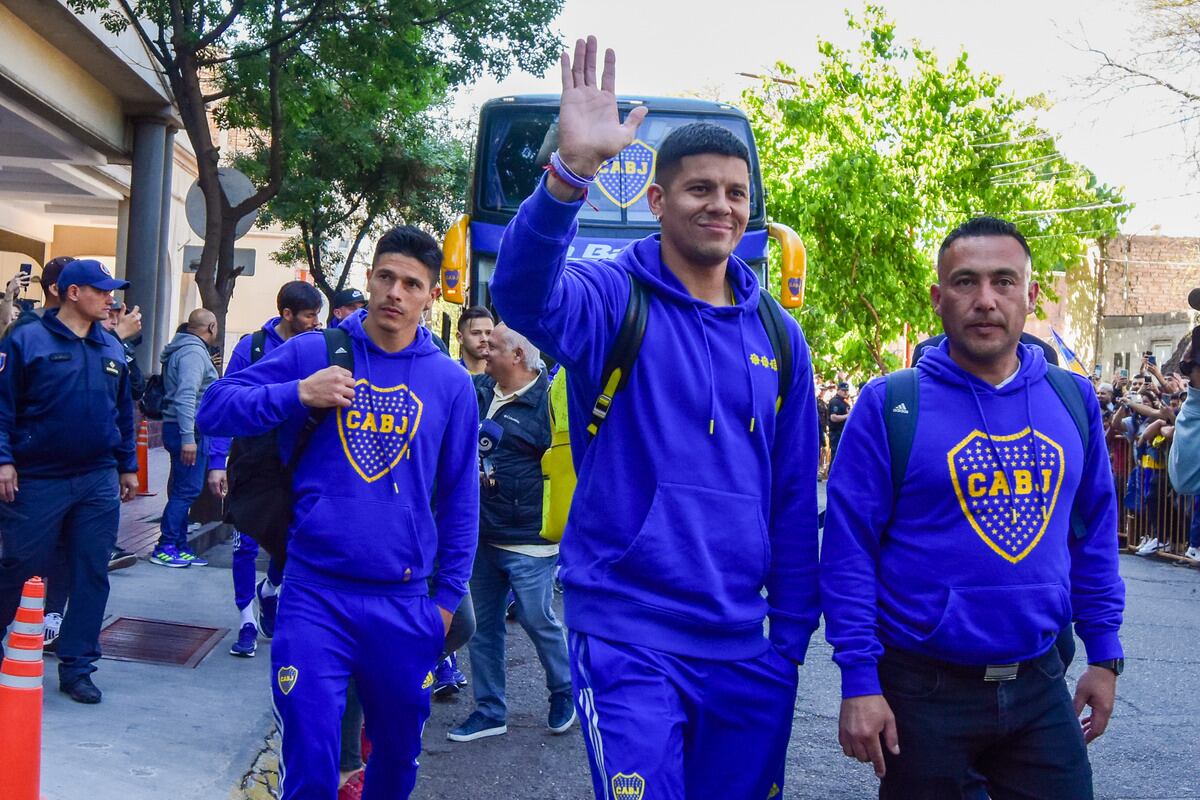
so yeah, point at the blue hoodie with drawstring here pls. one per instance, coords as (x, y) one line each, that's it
(696, 494)
(975, 561)
(363, 521)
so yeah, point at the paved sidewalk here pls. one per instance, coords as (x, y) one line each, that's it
(161, 732)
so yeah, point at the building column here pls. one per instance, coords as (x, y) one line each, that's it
(165, 298)
(142, 248)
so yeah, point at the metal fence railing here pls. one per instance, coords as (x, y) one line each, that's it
(1148, 507)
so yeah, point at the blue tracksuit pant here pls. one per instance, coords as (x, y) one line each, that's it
(245, 574)
(389, 644)
(677, 728)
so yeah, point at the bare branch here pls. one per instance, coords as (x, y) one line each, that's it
(1134, 72)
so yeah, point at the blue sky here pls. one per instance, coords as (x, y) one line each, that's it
(669, 47)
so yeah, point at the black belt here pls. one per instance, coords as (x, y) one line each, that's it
(992, 673)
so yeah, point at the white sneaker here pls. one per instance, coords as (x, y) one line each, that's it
(50, 636)
(1192, 554)
(1150, 547)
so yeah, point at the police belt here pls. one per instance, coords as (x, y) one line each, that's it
(991, 673)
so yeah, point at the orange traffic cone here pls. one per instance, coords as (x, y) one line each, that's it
(143, 459)
(21, 698)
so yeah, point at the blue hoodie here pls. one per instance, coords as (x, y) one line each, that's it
(964, 566)
(218, 446)
(695, 494)
(363, 486)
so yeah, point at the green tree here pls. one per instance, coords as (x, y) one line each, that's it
(356, 176)
(878, 154)
(266, 66)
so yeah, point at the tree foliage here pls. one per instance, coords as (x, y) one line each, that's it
(883, 150)
(271, 67)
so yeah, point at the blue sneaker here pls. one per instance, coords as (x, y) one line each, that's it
(562, 712)
(167, 556)
(189, 555)
(247, 642)
(264, 610)
(477, 726)
(448, 678)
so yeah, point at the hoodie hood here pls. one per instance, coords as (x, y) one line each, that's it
(182, 339)
(643, 260)
(938, 365)
(422, 345)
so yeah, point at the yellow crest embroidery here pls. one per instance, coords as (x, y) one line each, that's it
(628, 787)
(1007, 487)
(428, 681)
(378, 428)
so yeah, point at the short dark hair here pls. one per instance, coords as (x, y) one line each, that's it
(414, 243)
(984, 226)
(297, 296)
(473, 312)
(696, 139)
(52, 270)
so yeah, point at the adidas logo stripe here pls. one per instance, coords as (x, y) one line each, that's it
(900, 409)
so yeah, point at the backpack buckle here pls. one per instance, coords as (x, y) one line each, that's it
(603, 404)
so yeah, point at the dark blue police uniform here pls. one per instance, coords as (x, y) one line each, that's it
(66, 425)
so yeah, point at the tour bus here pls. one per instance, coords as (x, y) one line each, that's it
(516, 137)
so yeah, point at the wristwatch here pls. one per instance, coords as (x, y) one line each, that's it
(1117, 665)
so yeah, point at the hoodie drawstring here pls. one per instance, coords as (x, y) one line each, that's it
(1008, 496)
(1037, 457)
(746, 366)
(712, 381)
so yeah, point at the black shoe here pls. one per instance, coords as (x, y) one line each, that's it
(120, 559)
(82, 690)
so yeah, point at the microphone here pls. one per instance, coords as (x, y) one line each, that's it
(490, 434)
(1194, 299)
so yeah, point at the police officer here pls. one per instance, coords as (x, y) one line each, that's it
(67, 459)
(1001, 533)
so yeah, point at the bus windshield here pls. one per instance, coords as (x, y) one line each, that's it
(516, 144)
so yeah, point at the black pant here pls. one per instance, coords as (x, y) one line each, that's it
(1021, 736)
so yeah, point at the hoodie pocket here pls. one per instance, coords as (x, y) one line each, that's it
(699, 553)
(369, 539)
(1001, 621)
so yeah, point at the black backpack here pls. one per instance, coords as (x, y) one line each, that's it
(260, 484)
(628, 343)
(154, 398)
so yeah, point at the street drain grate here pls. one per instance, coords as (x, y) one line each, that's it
(152, 641)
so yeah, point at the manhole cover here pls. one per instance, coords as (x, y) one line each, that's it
(152, 641)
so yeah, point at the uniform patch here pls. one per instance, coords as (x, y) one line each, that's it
(378, 428)
(627, 176)
(287, 678)
(111, 367)
(1010, 519)
(628, 787)
(774, 791)
(428, 681)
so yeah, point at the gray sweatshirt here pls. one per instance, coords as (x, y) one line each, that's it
(187, 372)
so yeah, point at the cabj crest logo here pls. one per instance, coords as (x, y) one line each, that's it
(378, 428)
(1008, 501)
(628, 787)
(627, 176)
(428, 681)
(450, 278)
(794, 286)
(287, 679)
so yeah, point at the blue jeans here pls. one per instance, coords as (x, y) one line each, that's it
(82, 514)
(1021, 736)
(531, 580)
(183, 487)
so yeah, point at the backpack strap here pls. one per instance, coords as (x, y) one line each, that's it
(340, 353)
(900, 405)
(771, 316)
(258, 343)
(1068, 390)
(619, 364)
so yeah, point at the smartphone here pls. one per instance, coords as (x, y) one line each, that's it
(1151, 359)
(27, 269)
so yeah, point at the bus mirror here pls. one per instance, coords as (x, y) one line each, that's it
(455, 260)
(795, 264)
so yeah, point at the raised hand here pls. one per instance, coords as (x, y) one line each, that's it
(590, 130)
(331, 387)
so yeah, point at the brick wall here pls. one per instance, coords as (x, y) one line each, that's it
(1150, 274)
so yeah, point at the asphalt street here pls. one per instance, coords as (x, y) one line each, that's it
(1151, 750)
